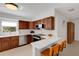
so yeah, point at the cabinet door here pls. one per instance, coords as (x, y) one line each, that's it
(34, 25)
(27, 25)
(5, 43)
(29, 39)
(39, 21)
(23, 24)
(46, 22)
(14, 42)
(49, 23)
(52, 23)
(0, 45)
(31, 25)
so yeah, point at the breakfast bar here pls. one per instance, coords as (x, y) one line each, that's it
(38, 46)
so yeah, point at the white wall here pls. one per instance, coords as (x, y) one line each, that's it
(49, 12)
(61, 25)
(76, 22)
(8, 19)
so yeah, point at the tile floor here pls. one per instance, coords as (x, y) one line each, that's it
(20, 51)
(71, 50)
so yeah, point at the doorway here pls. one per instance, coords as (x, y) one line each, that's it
(70, 32)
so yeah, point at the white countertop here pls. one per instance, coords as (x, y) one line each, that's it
(12, 35)
(45, 42)
(7, 35)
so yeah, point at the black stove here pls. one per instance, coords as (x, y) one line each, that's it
(36, 38)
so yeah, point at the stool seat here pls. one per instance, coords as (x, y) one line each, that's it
(51, 51)
(45, 52)
(55, 50)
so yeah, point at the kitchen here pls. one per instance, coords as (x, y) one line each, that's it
(39, 33)
(27, 30)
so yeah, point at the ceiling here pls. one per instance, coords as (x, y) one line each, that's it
(34, 11)
(71, 13)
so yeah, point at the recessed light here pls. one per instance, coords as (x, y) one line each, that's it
(11, 6)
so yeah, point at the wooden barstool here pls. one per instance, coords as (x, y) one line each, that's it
(60, 46)
(55, 50)
(47, 52)
(64, 43)
(51, 51)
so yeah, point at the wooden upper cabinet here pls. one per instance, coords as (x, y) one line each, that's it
(39, 21)
(34, 24)
(52, 23)
(49, 23)
(31, 25)
(23, 24)
(14, 42)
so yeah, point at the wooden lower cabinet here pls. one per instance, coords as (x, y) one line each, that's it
(5, 42)
(14, 42)
(29, 39)
(9, 43)
(0, 46)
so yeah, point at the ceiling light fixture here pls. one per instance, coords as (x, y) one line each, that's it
(11, 6)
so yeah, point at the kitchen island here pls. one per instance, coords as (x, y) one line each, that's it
(38, 46)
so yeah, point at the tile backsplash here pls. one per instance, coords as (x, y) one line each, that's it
(46, 32)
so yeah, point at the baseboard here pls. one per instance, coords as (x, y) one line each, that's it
(22, 45)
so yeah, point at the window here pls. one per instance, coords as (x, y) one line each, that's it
(9, 26)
